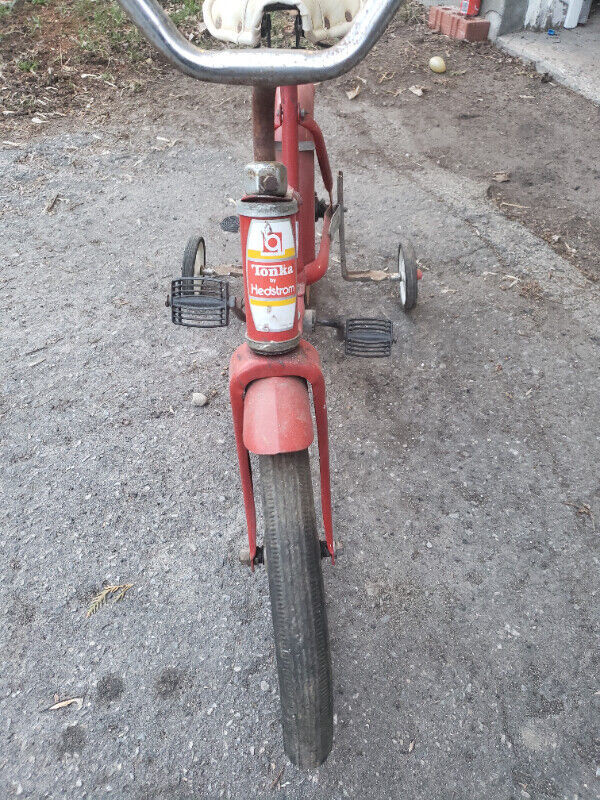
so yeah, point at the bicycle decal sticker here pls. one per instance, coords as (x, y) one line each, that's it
(271, 274)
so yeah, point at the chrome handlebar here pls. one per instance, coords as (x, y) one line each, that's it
(262, 66)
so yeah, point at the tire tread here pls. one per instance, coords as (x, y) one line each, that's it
(297, 607)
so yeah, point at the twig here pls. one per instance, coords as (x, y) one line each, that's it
(43, 347)
(278, 778)
(52, 203)
(78, 701)
(100, 599)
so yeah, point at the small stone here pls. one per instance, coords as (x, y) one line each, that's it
(199, 399)
(264, 686)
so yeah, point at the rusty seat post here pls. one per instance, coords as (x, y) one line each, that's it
(263, 114)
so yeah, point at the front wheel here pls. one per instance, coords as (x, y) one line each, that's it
(293, 560)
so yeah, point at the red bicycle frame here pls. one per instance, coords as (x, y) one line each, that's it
(269, 394)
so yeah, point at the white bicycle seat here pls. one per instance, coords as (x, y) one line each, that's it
(238, 21)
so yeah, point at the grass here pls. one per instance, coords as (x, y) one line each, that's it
(104, 31)
(47, 45)
(28, 65)
(189, 10)
(98, 28)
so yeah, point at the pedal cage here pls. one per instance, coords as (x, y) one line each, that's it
(200, 302)
(369, 338)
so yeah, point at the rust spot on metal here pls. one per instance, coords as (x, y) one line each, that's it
(269, 184)
(263, 111)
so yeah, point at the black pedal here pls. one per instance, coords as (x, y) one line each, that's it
(200, 302)
(369, 338)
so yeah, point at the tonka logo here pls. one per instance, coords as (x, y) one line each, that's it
(272, 241)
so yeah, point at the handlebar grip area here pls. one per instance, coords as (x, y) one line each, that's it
(262, 66)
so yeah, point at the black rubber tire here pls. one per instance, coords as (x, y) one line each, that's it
(293, 559)
(407, 251)
(189, 267)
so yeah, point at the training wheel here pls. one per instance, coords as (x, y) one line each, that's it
(408, 276)
(194, 258)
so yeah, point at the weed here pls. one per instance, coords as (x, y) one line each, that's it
(33, 25)
(411, 11)
(28, 64)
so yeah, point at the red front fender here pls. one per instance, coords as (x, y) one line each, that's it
(277, 416)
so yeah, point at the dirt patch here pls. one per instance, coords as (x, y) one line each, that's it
(62, 58)
(491, 113)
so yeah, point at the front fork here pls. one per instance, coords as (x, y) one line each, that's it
(247, 367)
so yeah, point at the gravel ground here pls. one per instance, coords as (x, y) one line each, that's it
(464, 607)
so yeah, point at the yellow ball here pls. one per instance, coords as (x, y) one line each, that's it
(437, 64)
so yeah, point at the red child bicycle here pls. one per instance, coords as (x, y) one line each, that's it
(270, 373)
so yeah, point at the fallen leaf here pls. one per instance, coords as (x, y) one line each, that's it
(583, 509)
(352, 93)
(418, 90)
(501, 177)
(78, 701)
